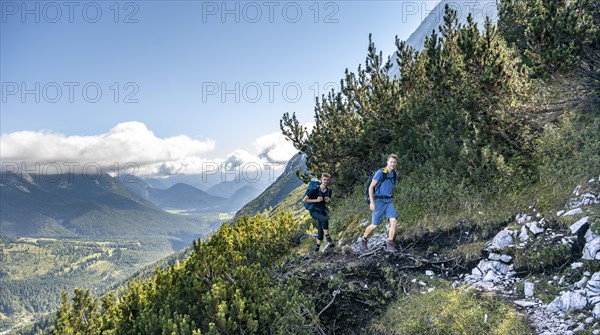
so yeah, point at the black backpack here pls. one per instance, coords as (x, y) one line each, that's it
(383, 177)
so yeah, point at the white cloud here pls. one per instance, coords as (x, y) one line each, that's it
(274, 148)
(189, 165)
(239, 158)
(126, 143)
(137, 150)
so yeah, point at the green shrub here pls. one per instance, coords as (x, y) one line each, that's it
(226, 285)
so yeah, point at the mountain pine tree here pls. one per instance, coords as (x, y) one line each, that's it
(451, 109)
(551, 34)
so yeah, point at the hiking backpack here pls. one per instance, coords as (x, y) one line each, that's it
(312, 185)
(383, 177)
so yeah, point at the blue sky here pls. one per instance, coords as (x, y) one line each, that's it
(165, 64)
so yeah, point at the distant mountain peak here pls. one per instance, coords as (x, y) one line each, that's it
(479, 9)
(297, 161)
(185, 186)
(276, 192)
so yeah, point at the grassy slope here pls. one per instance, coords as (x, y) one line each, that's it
(438, 220)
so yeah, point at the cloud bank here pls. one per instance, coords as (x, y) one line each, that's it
(133, 146)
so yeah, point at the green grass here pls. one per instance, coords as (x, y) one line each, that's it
(293, 202)
(450, 311)
(540, 258)
(466, 252)
(595, 222)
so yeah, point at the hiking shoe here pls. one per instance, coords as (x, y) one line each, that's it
(329, 240)
(328, 246)
(317, 247)
(364, 243)
(391, 246)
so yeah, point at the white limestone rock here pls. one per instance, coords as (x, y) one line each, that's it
(575, 227)
(568, 301)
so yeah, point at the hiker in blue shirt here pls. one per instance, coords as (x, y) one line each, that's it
(318, 197)
(380, 195)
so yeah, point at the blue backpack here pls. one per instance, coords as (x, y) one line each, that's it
(312, 185)
(383, 177)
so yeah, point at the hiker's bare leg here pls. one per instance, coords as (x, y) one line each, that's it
(369, 230)
(393, 223)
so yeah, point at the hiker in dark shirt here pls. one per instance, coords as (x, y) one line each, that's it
(381, 204)
(318, 197)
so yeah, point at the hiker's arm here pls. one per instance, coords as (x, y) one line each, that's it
(327, 198)
(309, 200)
(307, 196)
(372, 194)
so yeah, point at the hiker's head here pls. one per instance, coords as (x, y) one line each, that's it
(325, 177)
(392, 160)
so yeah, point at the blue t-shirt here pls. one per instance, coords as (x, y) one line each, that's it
(387, 185)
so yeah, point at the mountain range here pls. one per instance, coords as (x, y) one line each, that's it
(223, 197)
(74, 205)
(219, 182)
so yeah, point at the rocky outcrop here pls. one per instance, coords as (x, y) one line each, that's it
(575, 308)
